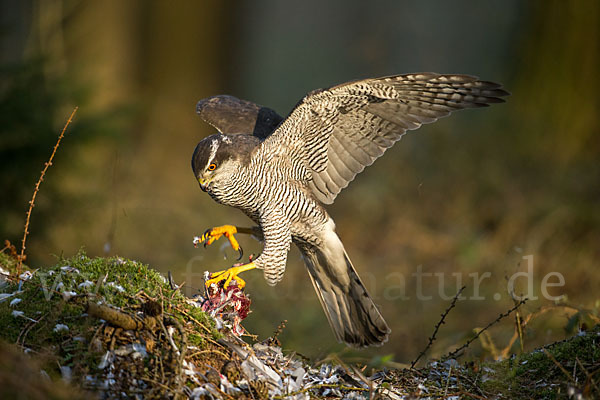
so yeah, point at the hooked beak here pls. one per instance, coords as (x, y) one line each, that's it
(203, 184)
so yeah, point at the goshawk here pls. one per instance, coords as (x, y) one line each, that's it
(281, 171)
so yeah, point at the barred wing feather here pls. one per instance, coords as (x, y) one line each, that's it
(334, 134)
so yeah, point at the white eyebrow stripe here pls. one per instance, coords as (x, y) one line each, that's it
(214, 145)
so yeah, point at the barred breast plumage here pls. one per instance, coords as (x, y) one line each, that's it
(280, 172)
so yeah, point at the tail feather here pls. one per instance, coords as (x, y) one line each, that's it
(352, 314)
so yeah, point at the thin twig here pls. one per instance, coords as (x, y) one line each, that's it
(437, 327)
(195, 320)
(559, 365)
(210, 351)
(501, 316)
(322, 386)
(168, 336)
(183, 346)
(167, 388)
(530, 317)
(172, 283)
(23, 334)
(587, 374)
(448, 381)
(519, 327)
(37, 188)
(463, 393)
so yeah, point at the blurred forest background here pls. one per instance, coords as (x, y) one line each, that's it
(473, 193)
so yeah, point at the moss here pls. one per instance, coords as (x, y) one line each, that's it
(537, 375)
(196, 340)
(56, 297)
(200, 317)
(7, 262)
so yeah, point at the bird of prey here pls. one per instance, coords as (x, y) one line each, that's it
(282, 171)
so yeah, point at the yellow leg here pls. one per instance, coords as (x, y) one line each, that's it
(213, 234)
(229, 274)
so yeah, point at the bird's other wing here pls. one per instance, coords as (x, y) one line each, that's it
(339, 131)
(230, 115)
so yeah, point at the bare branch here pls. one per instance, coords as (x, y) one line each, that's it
(437, 327)
(501, 316)
(37, 188)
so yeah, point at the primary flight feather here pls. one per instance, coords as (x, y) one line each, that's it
(280, 172)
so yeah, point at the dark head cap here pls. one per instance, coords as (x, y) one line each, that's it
(218, 148)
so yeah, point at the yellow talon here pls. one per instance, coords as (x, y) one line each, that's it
(213, 234)
(230, 274)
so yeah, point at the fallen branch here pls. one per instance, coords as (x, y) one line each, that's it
(113, 316)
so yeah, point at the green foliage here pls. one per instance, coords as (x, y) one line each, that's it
(123, 283)
(7, 262)
(584, 318)
(537, 375)
(56, 297)
(381, 361)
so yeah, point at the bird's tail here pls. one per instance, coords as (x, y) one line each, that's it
(351, 312)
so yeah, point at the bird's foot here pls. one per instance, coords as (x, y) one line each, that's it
(213, 234)
(230, 274)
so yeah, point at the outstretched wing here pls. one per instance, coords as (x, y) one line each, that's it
(333, 134)
(230, 115)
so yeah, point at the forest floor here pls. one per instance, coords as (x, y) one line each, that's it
(116, 328)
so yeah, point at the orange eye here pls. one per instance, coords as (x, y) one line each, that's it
(212, 167)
